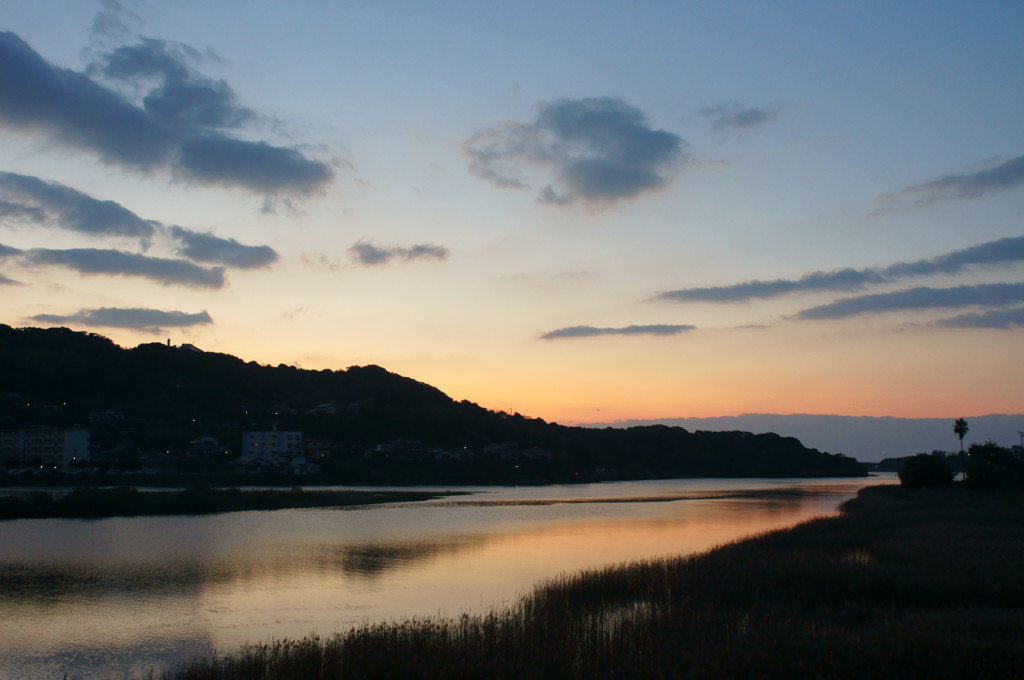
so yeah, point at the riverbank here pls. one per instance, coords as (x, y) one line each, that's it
(900, 585)
(90, 502)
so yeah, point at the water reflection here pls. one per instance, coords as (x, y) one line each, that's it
(98, 598)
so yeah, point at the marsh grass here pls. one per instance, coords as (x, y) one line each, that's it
(927, 585)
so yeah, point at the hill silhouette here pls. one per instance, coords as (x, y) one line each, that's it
(158, 397)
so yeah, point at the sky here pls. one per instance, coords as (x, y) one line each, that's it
(580, 211)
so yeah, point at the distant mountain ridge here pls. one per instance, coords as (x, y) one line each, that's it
(866, 438)
(159, 398)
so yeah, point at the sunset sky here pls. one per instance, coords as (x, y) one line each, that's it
(580, 211)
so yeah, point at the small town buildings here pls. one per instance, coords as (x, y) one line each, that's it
(279, 465)
(274, 451)
(323, 410)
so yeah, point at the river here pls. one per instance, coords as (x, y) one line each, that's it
(126, 597)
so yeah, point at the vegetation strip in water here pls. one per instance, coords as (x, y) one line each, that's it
(901, 584)
(129, 501)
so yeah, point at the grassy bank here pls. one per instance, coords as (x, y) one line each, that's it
(129, 501)
(928, 585)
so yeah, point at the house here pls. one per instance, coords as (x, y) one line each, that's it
(318, 448)
(158, 464)
(537, 453)
(108, 417)
(502, 451)
(205, 447)
(300, 466)
(450, 455)
(403, 449)
(253, 466)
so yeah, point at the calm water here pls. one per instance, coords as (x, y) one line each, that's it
(121, 597)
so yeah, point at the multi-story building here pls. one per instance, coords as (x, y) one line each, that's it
(267, 443)
(47, 447)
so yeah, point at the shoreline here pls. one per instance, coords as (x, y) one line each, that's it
(100, 503)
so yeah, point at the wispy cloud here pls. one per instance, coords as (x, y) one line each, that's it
(120, 263)
(4, 281)
(1001, 252)
(736, 116)
(591, 331)
(319, 261)
(147, 320)
(200, 247)
(995, 318)
(180, 123)
(984, 295)
(599, 150)
(370, 255)
(113, 20)
(1006, 175)
(32, 200)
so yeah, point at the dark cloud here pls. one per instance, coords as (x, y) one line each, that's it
(995, 318)
(590, 331)
(735, 116)
(74, 110)
(1006, 175)
(120, 263)
(201, 247)
(600, 150)
(18, 212)
(36, 201)
(838, 279)
(182, 98)
(30, 199)
(256, 166)
(1001, 252)
(368, 254)
(983, 295)
(4, 281)
(179, 124)
(148, 320)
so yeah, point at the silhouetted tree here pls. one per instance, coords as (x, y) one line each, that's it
(991, 465)
(924, 470)
(960, 429)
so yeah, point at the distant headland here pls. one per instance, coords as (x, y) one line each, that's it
(866, 438)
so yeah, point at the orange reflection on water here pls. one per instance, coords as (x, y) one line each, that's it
(117, 596)
(332, 587)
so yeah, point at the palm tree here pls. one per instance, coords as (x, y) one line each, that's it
(960, 429)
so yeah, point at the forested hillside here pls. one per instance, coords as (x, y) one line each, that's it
(162, 397)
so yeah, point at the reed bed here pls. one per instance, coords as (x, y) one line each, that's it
(928, 585)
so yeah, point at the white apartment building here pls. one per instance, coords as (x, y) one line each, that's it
(268, 443)
(47, 446)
